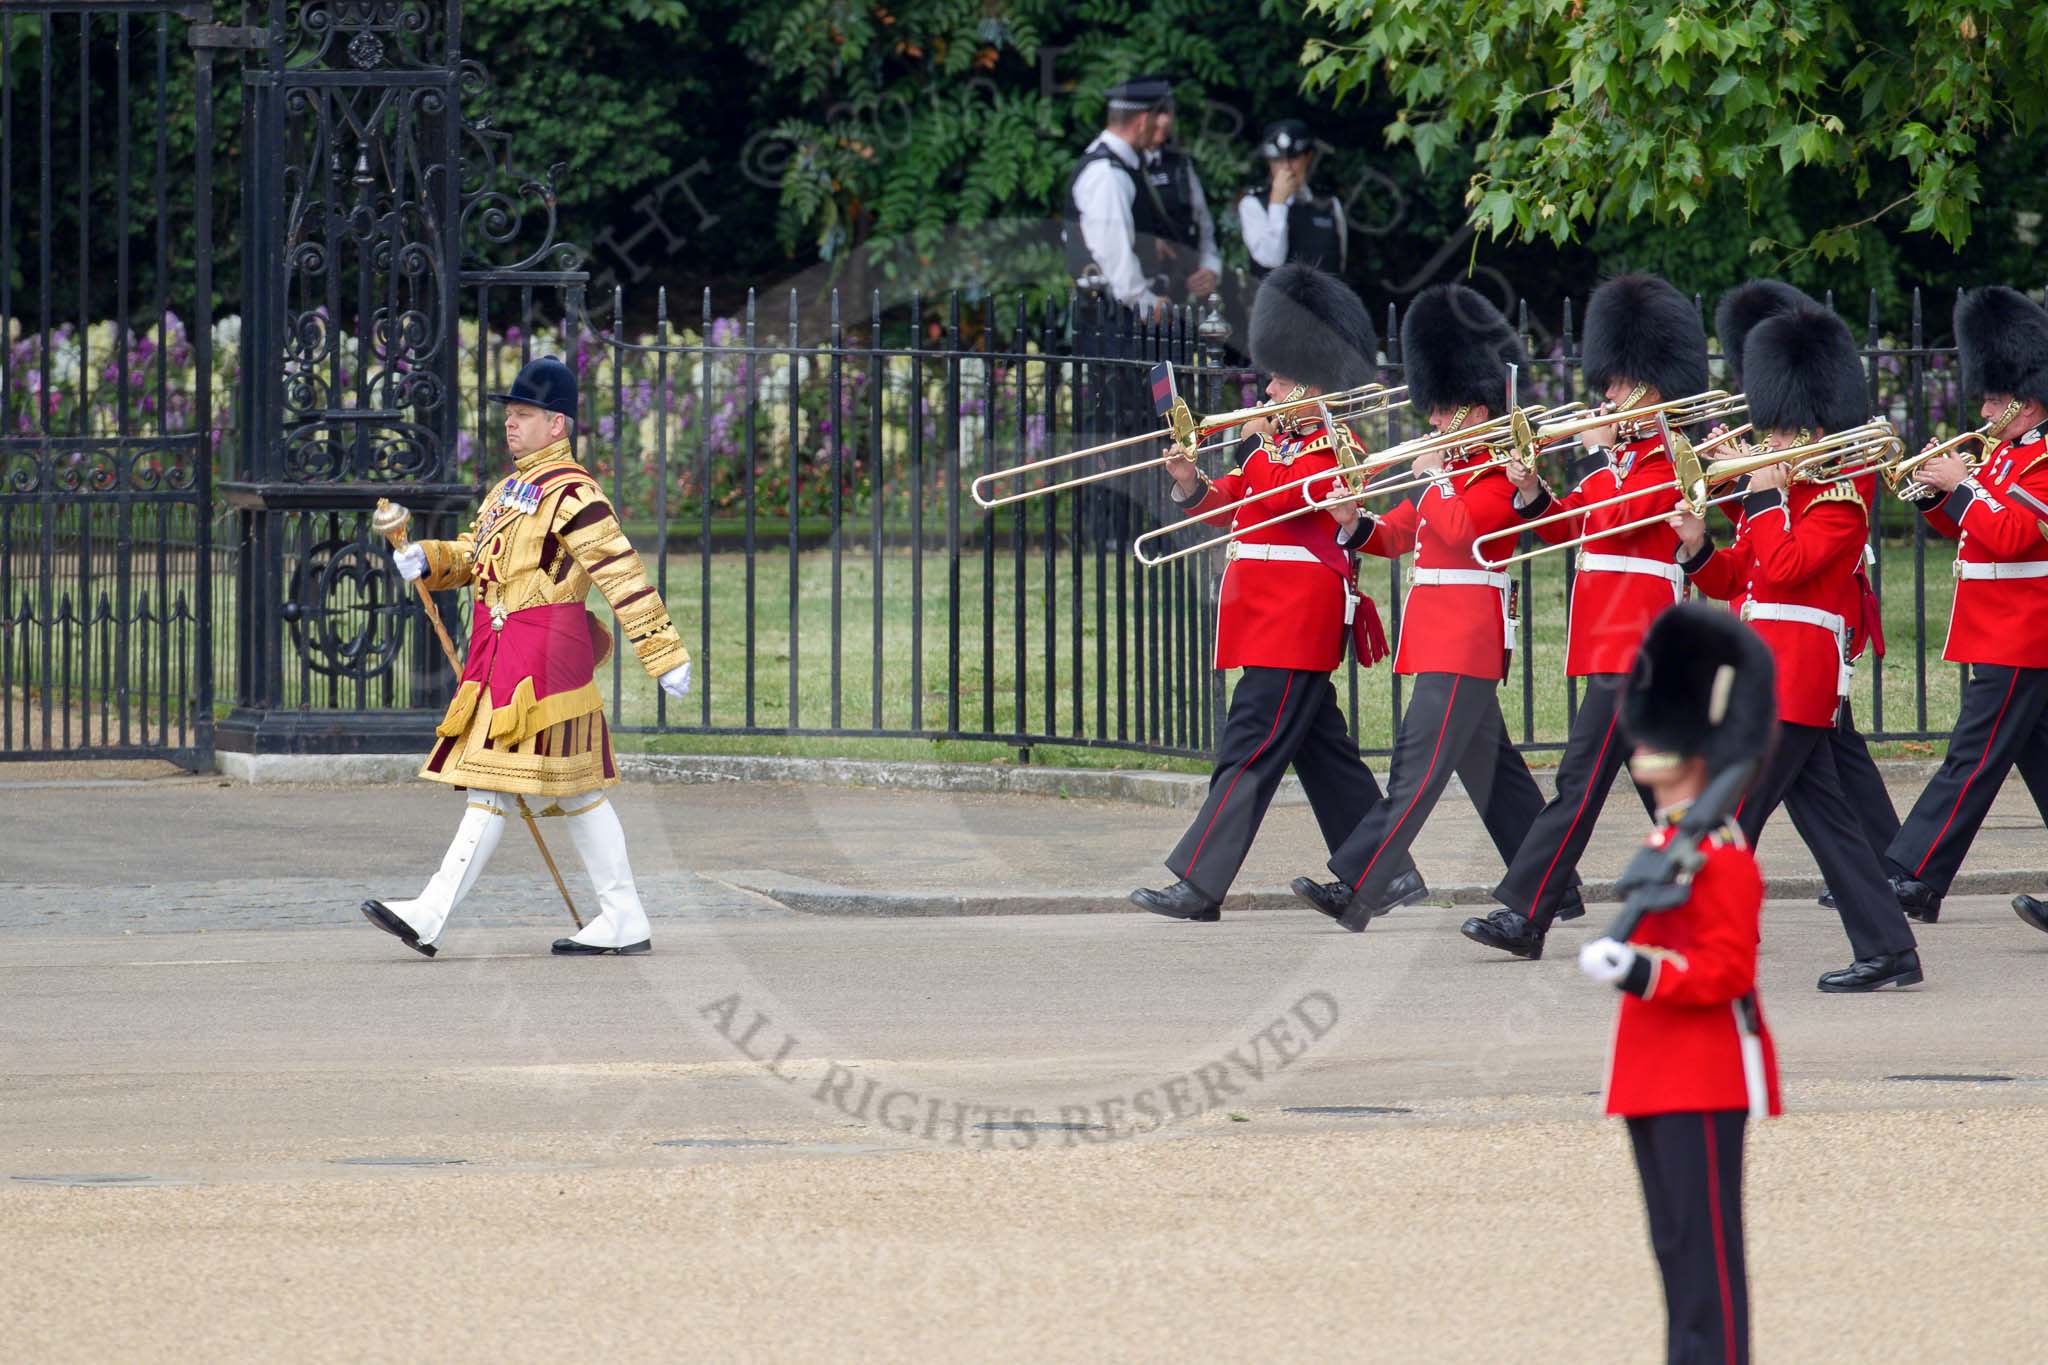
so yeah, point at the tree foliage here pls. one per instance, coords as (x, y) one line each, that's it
(937, 136)
(1589, 112)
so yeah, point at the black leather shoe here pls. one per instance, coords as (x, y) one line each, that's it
(569, 947)
(1573, 906)
(1827, 898)
(1179, 901)
(2034, 912)
(1507, 930)
(1406, 889)
(1875, 973)
(1919, 900)
(1332, 898)
(376, 913)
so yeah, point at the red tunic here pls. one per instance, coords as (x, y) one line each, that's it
(1803, 554)
(1866, 631)
(1280, 613)
(1680, 1046)
(1625, 581)
(2002, 621)
(1451, 627)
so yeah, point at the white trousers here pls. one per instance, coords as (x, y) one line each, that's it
(600, 842)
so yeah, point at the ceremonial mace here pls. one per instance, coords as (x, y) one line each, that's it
(390, 521)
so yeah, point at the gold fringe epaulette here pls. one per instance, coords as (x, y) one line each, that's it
(1842, 490)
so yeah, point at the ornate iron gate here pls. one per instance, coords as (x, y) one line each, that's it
(106, 392)
(367, 191)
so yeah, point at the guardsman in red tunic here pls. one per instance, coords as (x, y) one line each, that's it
(1458, 623)
(1692, 1060)
(1795, 565)
(1644, 345)
(1739, 310)
(1287, 606)
(1998, 627)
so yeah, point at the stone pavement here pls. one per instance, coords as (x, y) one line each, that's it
(84, 846)
(236, 1123)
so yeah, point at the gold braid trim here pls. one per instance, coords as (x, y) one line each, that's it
(1842, 490)
(448, 564)
(456, 718)
(527, 715)
(602, 551)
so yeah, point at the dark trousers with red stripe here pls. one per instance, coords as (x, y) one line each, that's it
(1803, 776)
(1862, 783)
(1452, 724)
(1541, 872)
(1691, 1165)
(1277, 717)
(2003, 721)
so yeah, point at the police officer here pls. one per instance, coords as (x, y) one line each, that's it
(1136, 215)
(1284, 220)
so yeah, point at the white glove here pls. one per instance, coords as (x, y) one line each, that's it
(411, 562)
(676, 682)
(1606, 961)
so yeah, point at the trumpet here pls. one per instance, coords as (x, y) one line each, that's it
(1182, 434)
(1715, 405)
(1849, 454)
(1899, 473)
(1356, 473)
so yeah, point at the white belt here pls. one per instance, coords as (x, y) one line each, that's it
(1655, 568)
(1293, 554)
(1834, 625)
(1475, 578)
(1297, 554)
(2026, 568)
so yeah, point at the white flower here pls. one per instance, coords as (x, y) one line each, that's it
(227, 334)
(64, 362)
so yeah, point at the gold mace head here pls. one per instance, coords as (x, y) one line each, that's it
(390, 520)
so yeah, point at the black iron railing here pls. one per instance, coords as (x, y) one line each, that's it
(798, 478)
(797, 475)
(106, 382)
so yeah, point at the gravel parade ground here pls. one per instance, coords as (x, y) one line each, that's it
(236, 1123)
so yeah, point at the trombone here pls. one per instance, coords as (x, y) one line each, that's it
(1714, 405)
(1355, 472)
(1519, 428)
(1569, 420)
(1849, 454)
(1181, 433)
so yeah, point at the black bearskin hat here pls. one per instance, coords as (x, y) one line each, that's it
(1457, 348)
(1804, 373)
(1742, 308)
(1310, 327)
(1703, 684)
(2003, 336)
(1638, 327)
